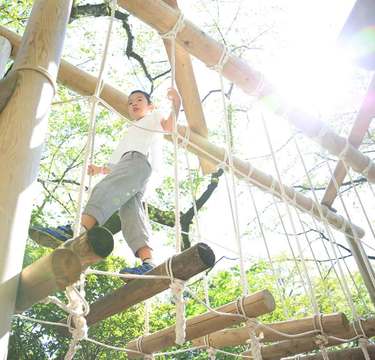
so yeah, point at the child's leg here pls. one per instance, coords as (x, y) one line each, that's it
(135, 227)
(128, 177)
(88, 221)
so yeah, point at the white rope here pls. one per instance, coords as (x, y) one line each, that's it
(277, 279)
(211, 353)
(171, 35)
(177, 286)
(92, 127)
(233, 194)
(77, 303)
(256, 349)
(177, 27)
(343, 283)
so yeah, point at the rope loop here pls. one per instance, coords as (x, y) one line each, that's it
(254, 340)
(222, 61)
(321, 340)
(318, 322)
(211, 352)
(363, 343)
(42, 71)
(178, 26)
(240, 306)
(344, 152)
(178, 286)
(365, 171)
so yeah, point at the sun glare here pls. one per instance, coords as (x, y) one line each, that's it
(314, 79)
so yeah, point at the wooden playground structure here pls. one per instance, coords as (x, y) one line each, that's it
(26, 94)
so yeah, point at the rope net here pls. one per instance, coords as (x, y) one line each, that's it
(280, 235)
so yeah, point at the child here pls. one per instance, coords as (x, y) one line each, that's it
(126, 179)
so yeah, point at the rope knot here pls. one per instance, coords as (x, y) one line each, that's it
(177, 27)
(178, 286)
(211, 353)
(321, 340)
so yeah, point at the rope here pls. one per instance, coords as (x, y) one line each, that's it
(219, 67)
(42, 71)
(177, 286)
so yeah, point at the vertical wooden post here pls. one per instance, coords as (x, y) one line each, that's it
(22, 130)
(5, 50)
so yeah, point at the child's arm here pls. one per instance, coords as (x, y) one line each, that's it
(172, 95)
(95, 170)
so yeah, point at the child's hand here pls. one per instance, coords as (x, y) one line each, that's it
(174, 96)
(94, 170)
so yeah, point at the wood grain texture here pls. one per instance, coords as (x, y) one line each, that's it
(255, 305)
(23, 123)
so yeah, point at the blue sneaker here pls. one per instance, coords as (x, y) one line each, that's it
(50, 237)
(138, 270)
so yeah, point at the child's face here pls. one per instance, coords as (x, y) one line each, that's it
(138, 106)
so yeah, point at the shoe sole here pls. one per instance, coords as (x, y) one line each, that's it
(44, 239)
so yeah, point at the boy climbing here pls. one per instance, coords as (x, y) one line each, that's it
(127, 175)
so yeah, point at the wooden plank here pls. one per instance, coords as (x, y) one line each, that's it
(240, 336)
(62, 267)
(297, 346)
(188, 89)
(23, 123)
(361, 124)
(190, 262)
(255, 305)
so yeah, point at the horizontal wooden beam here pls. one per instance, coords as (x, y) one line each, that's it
(299, 346)
(345, 354)
(162, 18)
(190, 262)
(92, 246)
(45, 276)
(254, 305)
(62, 267)
(360, 127)
(84, 83)
(239, 336)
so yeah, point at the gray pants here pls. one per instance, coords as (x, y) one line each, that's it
(122, 190)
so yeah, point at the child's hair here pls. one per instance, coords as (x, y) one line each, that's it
(146, 95)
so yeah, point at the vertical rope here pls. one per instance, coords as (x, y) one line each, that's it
(171, 36)
(219, 67)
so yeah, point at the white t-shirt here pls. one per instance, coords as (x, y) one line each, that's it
(143, 136)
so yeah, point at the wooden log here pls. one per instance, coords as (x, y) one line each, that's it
(188, 89)
(162, 17)
(361, 124)
(245, 171)
(255, 305)
(47, 275)
(23, 122)
(345, 354)
(84, 83)
(92, 246)
(238, 336)
(5, 50)
(298, 346)
(190, 262)
(62, 267)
